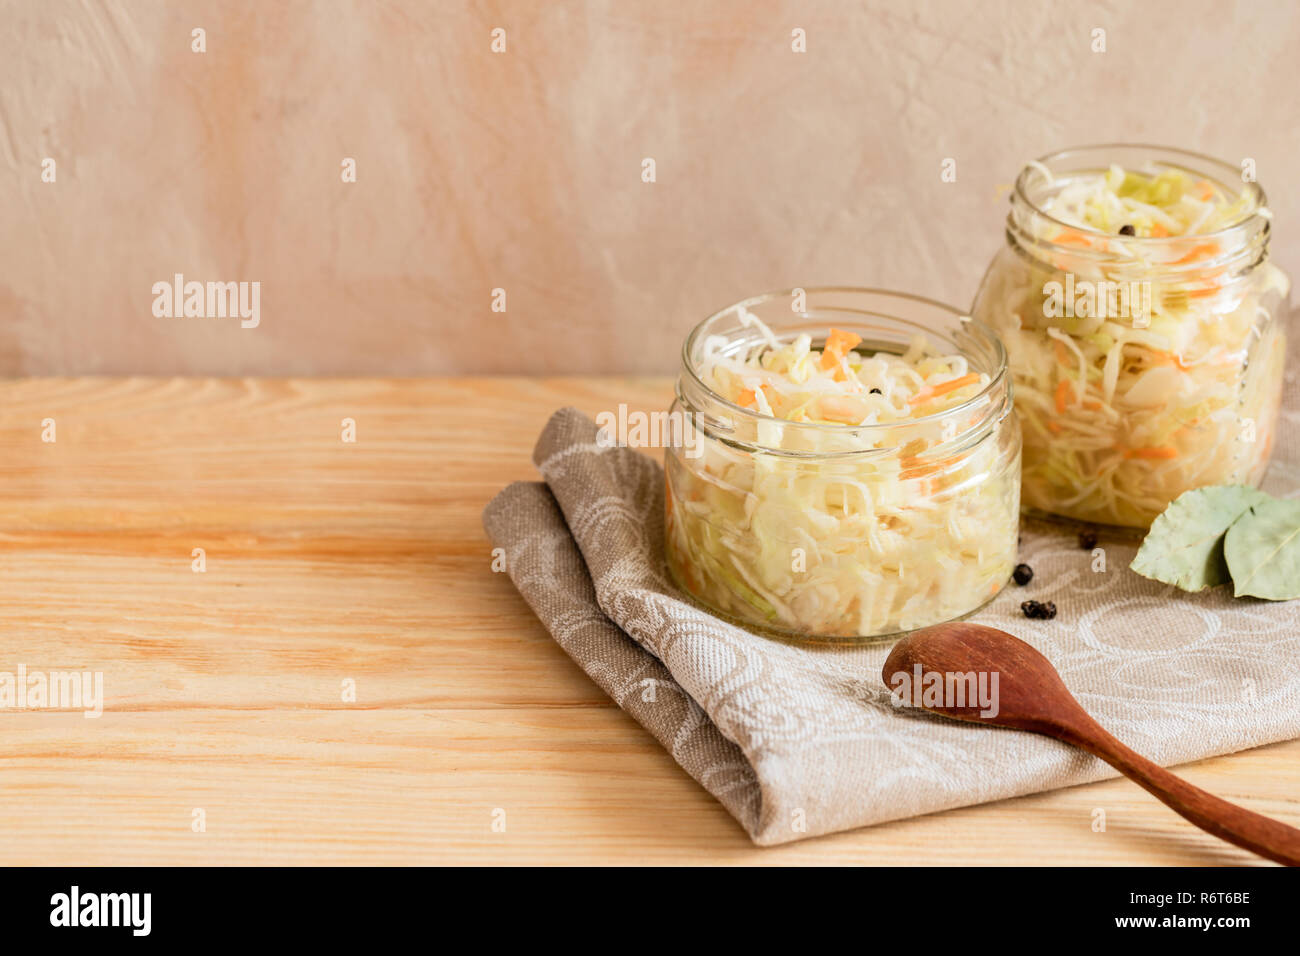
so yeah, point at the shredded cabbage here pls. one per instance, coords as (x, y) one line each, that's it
(1154, 206)
(836, 384)
(1124, 409)
(848, 535)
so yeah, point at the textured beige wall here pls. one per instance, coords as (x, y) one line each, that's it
(522, 170)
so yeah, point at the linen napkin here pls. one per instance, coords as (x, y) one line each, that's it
(797, 741)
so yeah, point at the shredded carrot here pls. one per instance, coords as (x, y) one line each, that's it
(1167, 358)
(1204, 251)
(926, 472)
(1207, 190)
(1211, 289)
(746, 397)
(1158, 231)
(1062, 355)
(1092, 406)
(841, 341)
(1054, 428)
(1154, 451)
(1071, 237)
(943, 388)
(838, 345)
(1063, 392)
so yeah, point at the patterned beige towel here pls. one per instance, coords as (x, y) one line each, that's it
(800, 741)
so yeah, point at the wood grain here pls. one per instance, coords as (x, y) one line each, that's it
(329, 561)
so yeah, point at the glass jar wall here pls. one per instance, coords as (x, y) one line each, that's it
(842, 530)
(1144, 327)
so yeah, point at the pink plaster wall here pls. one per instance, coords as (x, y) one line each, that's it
(522, 170)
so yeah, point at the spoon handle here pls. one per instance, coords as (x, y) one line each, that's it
(1255, 832)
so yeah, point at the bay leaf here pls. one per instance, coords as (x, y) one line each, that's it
(1185, 544)
(1263, 551)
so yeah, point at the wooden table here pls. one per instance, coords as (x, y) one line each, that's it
(331, 564)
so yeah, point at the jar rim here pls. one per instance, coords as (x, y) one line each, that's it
(1257, 209)
(998, 375)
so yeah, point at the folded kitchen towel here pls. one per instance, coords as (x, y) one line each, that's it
(797, 741)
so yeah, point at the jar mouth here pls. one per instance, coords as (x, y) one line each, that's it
(1066, 164)
(880, 317)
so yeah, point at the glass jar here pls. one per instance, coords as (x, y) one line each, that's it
(830, 531)
(1143, 367)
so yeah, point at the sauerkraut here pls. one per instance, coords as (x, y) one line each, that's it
(1141, 321)
(854, 492)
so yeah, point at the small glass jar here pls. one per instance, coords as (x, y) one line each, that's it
(835, 532)
(1143, 367)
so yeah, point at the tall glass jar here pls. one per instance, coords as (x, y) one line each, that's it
(832, 531)
(1144, 366)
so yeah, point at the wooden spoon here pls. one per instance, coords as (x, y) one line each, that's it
(1031, 696)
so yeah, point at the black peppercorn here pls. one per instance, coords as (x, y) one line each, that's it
(876, 391)
(1127, 231)
(1044, 611)
(1023, 574)
(1087, 539)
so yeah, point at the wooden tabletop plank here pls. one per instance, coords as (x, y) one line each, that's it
(330, 562)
